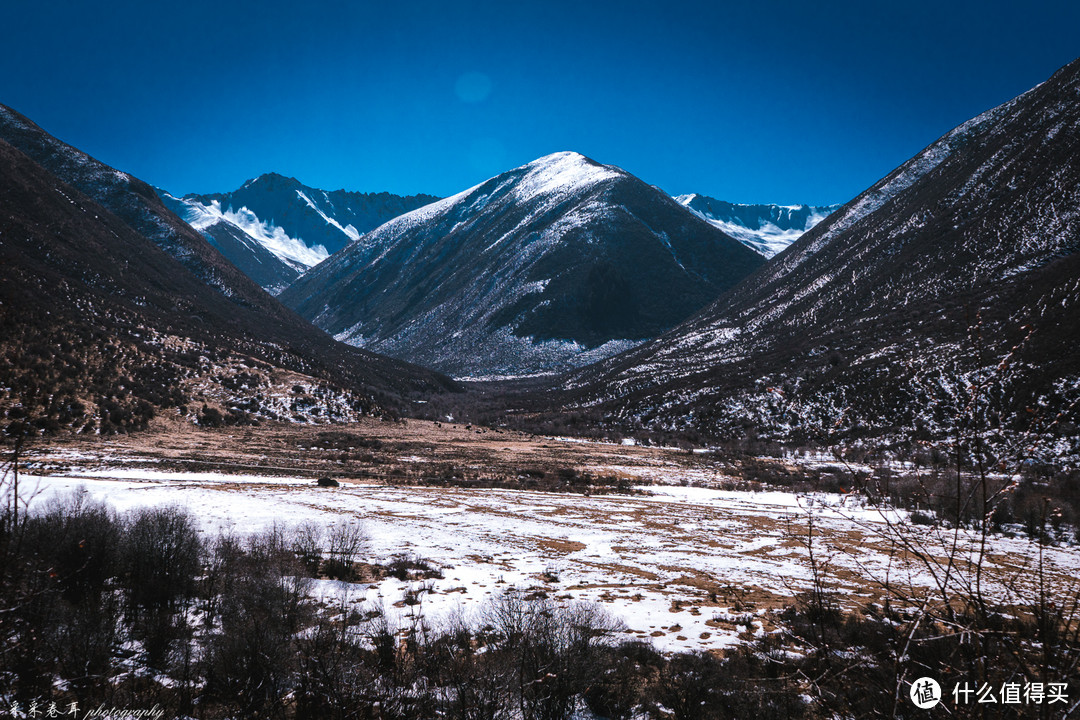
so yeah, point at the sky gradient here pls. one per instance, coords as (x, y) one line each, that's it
(747, 102)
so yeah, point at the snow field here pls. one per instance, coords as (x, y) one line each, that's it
(687, 568)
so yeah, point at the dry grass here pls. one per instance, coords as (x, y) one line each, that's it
(366, 450)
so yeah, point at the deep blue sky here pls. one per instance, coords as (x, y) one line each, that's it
(745, 101)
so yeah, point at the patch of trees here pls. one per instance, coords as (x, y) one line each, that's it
(344, 440)
(211, 417)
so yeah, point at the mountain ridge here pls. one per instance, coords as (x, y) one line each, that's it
(98, 316)
(941, 262)
(136, 203)
(331, 218)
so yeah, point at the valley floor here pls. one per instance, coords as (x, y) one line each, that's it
(681, 561)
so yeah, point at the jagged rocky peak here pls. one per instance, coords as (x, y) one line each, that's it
(274, 227)
(766, 228)
(271, 181)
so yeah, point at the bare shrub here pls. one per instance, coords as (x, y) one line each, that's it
(553, 648)
(57, 614)
(307, 543)
(409, 566)
(252, 660)
(161, 555)
(345, 541)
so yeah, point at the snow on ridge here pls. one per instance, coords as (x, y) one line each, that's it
(768, 239)
(349, 230)
(874, 199)
(690, 197)
(395, 227)
(910, 172)
(559, 172)
(386, 235)
(10, 117)
(290, 250)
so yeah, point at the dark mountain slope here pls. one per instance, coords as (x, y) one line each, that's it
(881, 318)
(547, 266)
(101, 328)
(136, 203)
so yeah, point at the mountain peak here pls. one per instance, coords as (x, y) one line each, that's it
(271, 180)
(274, 227)
(562, 156)
(547, 266)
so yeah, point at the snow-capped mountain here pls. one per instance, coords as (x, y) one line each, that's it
(768, 229)
(958, 270)
(551, 265)
(274, 228)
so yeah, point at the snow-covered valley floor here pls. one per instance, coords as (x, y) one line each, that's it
(689, 568)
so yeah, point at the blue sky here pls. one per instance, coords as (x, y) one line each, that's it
(749, 102)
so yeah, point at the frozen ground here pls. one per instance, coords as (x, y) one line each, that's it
(687, 567)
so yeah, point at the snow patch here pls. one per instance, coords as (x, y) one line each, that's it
(349, 230)
(292, 251)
